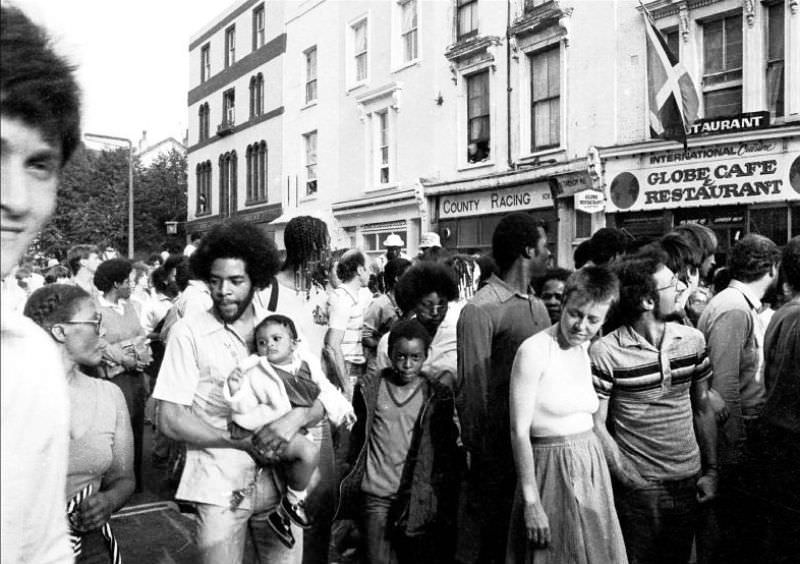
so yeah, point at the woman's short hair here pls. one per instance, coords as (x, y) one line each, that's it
(278, 319)
(700, 236)
(408, 329)
(422, 279)
(110, 272)
(682, 254)
(237, 240)
(592, 283)
(54, 303)
(348, 265)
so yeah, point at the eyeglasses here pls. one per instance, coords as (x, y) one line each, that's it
(673, 283)
(96, 322)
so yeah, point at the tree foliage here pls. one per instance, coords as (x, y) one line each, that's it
(92, 204)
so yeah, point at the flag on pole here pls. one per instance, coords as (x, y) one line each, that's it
(672, 96)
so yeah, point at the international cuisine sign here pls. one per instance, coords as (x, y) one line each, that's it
(740, 173)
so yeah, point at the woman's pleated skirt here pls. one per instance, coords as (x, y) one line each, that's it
(575, 489)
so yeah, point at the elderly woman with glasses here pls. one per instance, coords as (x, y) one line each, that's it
(100, 470)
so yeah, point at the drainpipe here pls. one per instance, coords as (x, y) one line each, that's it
(511, 164)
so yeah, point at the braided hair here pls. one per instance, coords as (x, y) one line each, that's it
(464, 267)
(54, 303)
(307, 250)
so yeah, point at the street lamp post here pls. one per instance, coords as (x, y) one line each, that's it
(129, 143)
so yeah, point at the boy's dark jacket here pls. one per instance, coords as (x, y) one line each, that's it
(428, 494)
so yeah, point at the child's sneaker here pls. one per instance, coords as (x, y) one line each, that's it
(282, 527)
(296, 512)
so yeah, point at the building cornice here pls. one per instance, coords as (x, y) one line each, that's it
(222, 24)
(270, 50)
(645, 147)
(502, 179)
(375, 202)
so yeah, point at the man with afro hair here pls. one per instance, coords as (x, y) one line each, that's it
(235, 259)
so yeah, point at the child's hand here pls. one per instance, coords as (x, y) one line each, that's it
(349, 420)
(235, 381)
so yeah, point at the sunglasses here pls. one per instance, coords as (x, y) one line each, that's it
(96, 322)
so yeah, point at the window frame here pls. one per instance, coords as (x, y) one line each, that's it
(230, 45)
(259, 32)
(545, 51)
(463, 6)
(229, 107)
(779, 108)
(405, 33)
(354, 27)
(707, 76)
(205, 62)
(203, 197)
(311, 176)
(311, 82)
(487, 115)
(383, 149)
(256, 95)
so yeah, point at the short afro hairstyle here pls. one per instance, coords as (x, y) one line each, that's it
(752, 257)
(583, 253)
(54, 303)
(393, 270)
(37, 86)
(408, 329)
(110, 272)
(551, 274)
(237, 240)
(790, 264)
(606, 243)
(516, 232)
(422, 279)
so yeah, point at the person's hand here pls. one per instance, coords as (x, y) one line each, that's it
(119, 355)
(718, 405)
(144, 355)
(93, 512)
(235, 381)
(349, 420)
(537, 525)
(273, 438)
(707, 486)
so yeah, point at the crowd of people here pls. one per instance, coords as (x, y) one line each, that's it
(643, 407)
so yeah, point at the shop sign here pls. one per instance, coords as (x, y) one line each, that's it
(590, 201)
(741, 173)
(730, 124)
(528, 196)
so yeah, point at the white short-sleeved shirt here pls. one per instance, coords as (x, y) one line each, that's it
(200, 355)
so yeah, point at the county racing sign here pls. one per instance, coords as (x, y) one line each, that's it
(740, 173)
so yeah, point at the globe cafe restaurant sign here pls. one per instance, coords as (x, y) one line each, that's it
(739, 173)
(503, 200)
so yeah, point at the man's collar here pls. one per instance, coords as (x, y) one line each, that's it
(118, 307)
(747, 292)
(503, 290)
(629, 337)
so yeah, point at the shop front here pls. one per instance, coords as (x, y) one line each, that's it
(750, 185)
(466, 221)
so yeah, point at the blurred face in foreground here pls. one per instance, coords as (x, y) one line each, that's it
(581, 319)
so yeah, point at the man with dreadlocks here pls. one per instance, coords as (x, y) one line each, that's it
(298, 291)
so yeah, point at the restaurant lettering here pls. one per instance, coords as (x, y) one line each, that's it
(714, 182)
(741, 122)
(725, 151)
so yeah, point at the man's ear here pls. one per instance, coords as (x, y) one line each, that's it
(57, 332)
(648, 304)
(528, 252)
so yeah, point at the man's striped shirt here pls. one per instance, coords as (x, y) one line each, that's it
(649, 393)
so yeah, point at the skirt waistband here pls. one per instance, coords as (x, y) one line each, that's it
(562, 439)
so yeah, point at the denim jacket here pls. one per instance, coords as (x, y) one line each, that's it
(429, 483)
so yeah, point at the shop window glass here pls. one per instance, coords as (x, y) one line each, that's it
(795, 211)
(770, 222)
(583, 224)
(673, 42)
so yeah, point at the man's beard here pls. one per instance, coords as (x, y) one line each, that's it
(241, 308)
